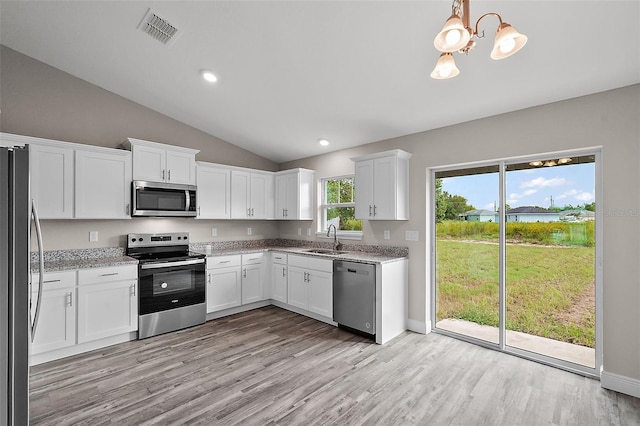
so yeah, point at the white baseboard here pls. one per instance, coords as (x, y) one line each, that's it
(622, 384)
(419, 326)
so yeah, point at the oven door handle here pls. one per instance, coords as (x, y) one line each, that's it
(171, 264)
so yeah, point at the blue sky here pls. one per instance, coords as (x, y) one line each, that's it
(573, 184)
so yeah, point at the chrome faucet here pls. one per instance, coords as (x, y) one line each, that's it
(337, 245)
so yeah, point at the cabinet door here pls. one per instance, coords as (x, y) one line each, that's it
(107, 309)
(364, 189)
(279, 283)
(384, 188)
(304, 196)
(258, 196)
(251, 283)
(103, 185)
(57, 322)
(149, 163)
(298, 291)
(321, 293)
(181, 167)
(51, 170)
(214, 193)
(281, 197)
(223, 288)
(291, 206)
(240, 186)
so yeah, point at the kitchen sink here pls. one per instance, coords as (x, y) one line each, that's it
(325, 251)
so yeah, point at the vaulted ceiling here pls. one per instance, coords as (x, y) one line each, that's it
(353, 72)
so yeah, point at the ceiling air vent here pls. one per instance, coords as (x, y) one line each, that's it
(159, 28)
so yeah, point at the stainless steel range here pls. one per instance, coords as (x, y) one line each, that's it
(171, 282)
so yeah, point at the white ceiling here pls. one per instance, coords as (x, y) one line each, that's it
(353, 72)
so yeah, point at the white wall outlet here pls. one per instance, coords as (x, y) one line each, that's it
(249, 232)
(308, 232)
(299, 231)
(214, 232)
(93, 236)
(387, 234)
(411, 235)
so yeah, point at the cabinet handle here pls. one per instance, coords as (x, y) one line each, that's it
(244, 273)
(369, 210)
(70, 302)
(110, 274)
(283, 273)
(224, 261)
(169, 175)
(248, 212)
(51, 281)
(198, 210)
(209, 277)
(133, 289)
(163, 172)
(374, 210)
(252, 212)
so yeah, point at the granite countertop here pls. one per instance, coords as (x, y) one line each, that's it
(65, 260)
(353, 256)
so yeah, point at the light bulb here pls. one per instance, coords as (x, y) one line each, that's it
(445, 71)
(209, 76)
(507, 45)
(323, 142)
(452, 37)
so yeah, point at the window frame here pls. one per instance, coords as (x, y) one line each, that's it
(323, 206)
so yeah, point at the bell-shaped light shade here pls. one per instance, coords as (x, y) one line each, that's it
(454, 36)
(508, 41)
(445, 67)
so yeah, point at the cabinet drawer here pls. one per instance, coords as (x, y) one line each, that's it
(55, 280)
(109, 274)
(223, 261)
(279, 258)
(252, 259)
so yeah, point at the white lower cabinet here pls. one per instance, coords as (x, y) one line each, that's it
(252, 282)
(57, 319)
(310, 285)
(279, 277)
(224, 282)
(107, 302)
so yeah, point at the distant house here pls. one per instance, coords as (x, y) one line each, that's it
(577, 215)
(480, 216)
(532, 214)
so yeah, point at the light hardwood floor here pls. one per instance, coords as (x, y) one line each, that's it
(270, 366)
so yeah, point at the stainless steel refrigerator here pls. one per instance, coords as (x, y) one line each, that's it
(16, 288)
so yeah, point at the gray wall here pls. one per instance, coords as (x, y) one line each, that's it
(38, 100)
(610, 119)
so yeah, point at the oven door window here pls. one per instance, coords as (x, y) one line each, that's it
(171, 282)
(157, 199)
(171, 287)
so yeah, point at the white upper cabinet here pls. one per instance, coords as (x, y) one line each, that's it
(51, 172)
(294, 194)
(251, 194)
(156, 162)
(214, 191)
(382, 185)
(103, 184)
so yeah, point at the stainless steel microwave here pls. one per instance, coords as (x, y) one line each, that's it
(161, 199)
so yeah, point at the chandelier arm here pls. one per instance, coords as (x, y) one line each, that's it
(483, 16)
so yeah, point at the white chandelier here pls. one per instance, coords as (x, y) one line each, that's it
(457, 35)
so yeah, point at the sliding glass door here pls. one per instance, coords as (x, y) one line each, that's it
(515, 250)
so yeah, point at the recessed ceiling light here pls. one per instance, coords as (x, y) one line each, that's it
(323, 142)
(209, 76)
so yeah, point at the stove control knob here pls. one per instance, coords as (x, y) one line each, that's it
(184, 238)
(140, 239)
(164, 285)
(179, 238)
(133, 240)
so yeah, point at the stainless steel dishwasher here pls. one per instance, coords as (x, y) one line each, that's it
(354, 295)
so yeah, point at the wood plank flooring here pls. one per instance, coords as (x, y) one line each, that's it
(273, 367)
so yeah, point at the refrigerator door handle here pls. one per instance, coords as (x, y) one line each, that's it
(36, 221)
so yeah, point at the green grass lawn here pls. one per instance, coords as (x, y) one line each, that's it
(550, 290)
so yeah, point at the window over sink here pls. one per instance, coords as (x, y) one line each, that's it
(338, 207)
